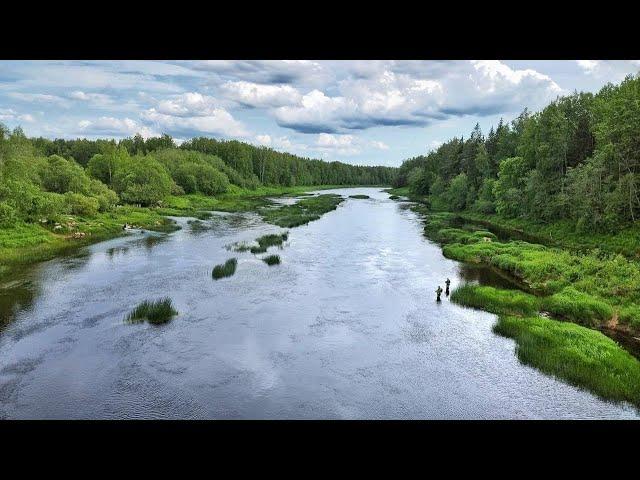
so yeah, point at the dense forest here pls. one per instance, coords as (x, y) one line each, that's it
(40, 178)
(577, 160)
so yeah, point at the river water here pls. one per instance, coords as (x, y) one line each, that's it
(346, 327)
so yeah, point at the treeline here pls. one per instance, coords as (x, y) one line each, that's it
(578, 159)
(41, 178)
(259, 165)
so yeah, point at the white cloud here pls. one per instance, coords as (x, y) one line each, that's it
(379, 145)
(8, 114)
(217, 122)
(39, 98)
(97, 99)
(193, 113)
(611, 70)
(115, 127)
(395, 93)
(261, 95)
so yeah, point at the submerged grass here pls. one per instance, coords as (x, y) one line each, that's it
(360, 197)
(272, 260)
(270, 240)
(302, 212)
(226, 269)
(155, 312)
(580, 356)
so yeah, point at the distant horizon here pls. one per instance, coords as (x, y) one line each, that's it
(355, 112)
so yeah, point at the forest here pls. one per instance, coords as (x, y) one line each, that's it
(576, 161)
(42, 178)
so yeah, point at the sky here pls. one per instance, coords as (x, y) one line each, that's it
(365, 112)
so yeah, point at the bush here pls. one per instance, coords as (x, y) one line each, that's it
(142, 181)
(78, 204)
(8, 215)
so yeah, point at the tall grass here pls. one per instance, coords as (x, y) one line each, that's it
(495, 300)
(272, 260)
(580, 356)
(226, 269)
(305, 211)
(270, 240)
(155, 312)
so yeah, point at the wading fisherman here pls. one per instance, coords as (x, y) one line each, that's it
(446, 290)
(438, 293)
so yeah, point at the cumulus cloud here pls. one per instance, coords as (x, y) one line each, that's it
(614, 70)
(97, 99)
(278, 143)
(8, 114)
(115, 127)
(193, 113)
(258, 95)
(338, 144)
(378, 95)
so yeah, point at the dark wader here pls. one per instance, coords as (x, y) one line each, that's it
(438, 293)
(446, 291)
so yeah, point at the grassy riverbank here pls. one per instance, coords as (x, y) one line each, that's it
(27, 243)
(583, 291)
(583, 357)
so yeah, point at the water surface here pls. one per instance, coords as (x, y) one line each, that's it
(346, 327)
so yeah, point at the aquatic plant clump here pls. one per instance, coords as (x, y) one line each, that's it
(305, 211)
(270, 240)
(360, 197)
(226, 269)
(155, 312)
(272, 260)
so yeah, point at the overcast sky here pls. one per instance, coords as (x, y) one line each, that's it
(362, 112)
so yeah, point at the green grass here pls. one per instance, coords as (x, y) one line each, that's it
(495, 300)
(226, 269)
(270, 240)
(155, 312)
(360, 197)
(580, 356)
(625, 241)
(302, 212)
(272, 260)
(27, 243)
(578, 307)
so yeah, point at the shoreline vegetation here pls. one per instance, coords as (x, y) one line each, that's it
(57, 195)
(552, 200)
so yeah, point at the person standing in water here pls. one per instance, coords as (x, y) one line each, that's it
(438, 293)
(446, 291)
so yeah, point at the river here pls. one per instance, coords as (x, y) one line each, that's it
(347, 327)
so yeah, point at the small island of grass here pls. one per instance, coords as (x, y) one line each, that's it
(226, 269)
(155, 312)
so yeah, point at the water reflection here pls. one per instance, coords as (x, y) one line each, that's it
(15, 295)
(486, 275)
(347, 326)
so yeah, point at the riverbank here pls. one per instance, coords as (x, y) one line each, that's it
(28, 243)
(571, 297)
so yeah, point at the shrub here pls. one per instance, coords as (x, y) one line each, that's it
(78, 204)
